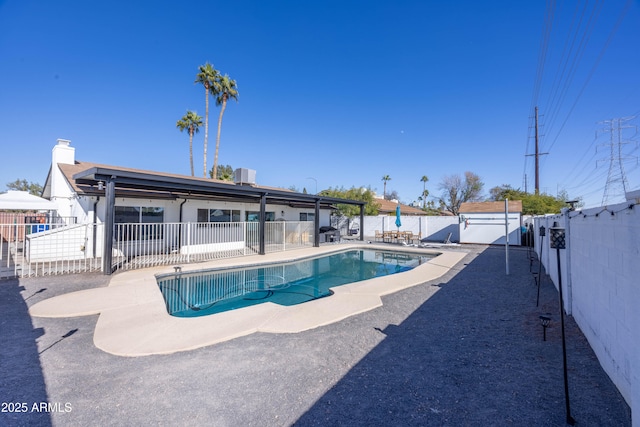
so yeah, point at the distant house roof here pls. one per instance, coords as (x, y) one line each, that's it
(486, 207)
(389, 207)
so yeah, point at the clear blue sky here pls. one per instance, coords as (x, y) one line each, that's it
(343, 92)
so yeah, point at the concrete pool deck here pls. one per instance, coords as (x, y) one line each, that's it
(134, 321)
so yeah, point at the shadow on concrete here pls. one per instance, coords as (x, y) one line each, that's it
(473, 354)
(22, 383)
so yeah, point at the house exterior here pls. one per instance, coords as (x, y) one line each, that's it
(484, 222)
(135, 213)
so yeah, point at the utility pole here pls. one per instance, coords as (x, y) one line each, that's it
(537, 183)
(537, 154)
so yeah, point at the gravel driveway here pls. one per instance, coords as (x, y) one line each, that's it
(465, 349)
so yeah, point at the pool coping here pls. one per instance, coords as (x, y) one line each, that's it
(133, 320)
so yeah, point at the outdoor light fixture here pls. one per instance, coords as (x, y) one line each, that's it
(557, 238)
(545, 321)
(558, 241)
(100, 185)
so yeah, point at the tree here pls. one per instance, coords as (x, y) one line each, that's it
(532, 204)
(208, 77)
(456, 191)
(384, 191)
(23, 185)
(425, 192)
(393, 195)
(227, 89)
(225, 173)
(350, 211)
(191, 122)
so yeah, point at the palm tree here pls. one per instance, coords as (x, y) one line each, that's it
(208, 77)
(385, 179)
(192, 122)
(227, 89)
(425, 193)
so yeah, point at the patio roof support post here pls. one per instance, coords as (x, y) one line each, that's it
(109, 217)
(263, 214)
(316, 225)
(95, 227)
(361, 223)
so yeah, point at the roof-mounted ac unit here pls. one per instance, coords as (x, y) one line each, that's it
(242, 176)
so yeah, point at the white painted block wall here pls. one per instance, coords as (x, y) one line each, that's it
(602, 287)
(433, 228)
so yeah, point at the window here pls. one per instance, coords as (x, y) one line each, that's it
(218, 215)
(130, 214)
(305, 216)
(255, 216)
(147, 216)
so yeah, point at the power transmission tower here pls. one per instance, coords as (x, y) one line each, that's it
(537, 155)
(617, 184)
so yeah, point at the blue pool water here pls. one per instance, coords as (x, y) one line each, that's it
(208, 292)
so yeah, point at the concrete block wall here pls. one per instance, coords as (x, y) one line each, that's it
(434, 228)
(601, 283)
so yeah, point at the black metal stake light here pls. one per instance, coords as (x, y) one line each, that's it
(544, 320)
(557, 241)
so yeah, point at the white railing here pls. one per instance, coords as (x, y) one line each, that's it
(299, 234)
(49, 248)
(54, 248)
(147, 245)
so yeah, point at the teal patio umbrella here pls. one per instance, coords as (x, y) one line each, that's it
(398, 222)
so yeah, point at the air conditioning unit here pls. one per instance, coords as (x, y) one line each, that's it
(242, 176)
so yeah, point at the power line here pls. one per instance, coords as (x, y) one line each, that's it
(567, 68)
(593, 68)
(576, 57)
(542, 56)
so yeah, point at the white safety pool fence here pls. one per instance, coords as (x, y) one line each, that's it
(48, 249)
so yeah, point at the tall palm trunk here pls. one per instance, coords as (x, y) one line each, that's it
(206, 129)
(191, 132)
(215, 157)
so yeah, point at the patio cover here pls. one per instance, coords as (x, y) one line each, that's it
(23, 201)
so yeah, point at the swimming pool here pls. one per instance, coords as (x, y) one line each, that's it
(208, 292)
